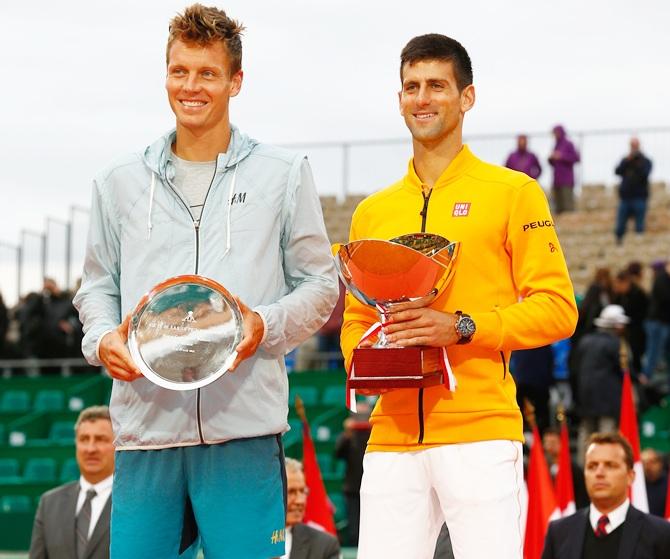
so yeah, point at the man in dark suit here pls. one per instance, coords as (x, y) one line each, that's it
(611, 527)
(72, 521)
(302, 541)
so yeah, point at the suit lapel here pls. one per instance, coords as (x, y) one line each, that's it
(101, 528)
(576, 543)
(69, 514)
(631, 533)
(300, 544)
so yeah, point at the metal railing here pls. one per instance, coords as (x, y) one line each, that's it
(340, 169)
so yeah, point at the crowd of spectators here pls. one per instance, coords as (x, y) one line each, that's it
(43, 325)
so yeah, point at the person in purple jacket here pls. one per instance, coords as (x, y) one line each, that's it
(524, 160)
(563, 160)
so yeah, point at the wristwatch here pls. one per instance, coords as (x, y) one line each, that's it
(465, 327)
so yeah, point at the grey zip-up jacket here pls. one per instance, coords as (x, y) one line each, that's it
(261, 235)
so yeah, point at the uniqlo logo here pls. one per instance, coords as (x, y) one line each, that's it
(461, 209)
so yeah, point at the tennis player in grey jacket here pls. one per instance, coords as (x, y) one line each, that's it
(205, 199)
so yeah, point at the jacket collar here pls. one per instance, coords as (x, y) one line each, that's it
(460, 165)
(157, 155)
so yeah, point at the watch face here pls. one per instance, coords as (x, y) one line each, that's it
(466, 326)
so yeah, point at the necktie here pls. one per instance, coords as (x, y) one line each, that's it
(83, 522)
(600, 527)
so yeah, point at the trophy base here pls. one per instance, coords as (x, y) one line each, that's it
(396, 367)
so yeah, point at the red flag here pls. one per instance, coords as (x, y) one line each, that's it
(542, 505)
(628, 428)
(565, 490)
(318, 509)
(667, 499)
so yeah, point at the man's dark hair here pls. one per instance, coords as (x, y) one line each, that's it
(439, 47)
(92, 413)
(551, 430)
(635, 269)
(202, 26)
(614, 438)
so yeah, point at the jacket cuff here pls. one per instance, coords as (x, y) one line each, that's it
(489, 332)
(265, 324)
(97, 344)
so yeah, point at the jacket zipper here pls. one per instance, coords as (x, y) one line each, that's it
(196, 226)
(424, 218)
(504, 362)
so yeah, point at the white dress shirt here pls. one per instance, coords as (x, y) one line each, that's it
(103, 490)
(616, 517)
(288, 543)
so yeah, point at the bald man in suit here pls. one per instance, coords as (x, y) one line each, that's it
(72, 521)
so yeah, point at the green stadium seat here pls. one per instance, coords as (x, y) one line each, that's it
(69, 471)
(338, 469)
(308, 394)
(62, 432)
(9, 470)
(49, 400)
(40, 470)
(15, 503)
(340, 507)
(325, 463)
(334, 396)
(15, 401)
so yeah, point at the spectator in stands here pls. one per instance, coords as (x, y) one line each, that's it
(611, 526)
(523, 159)
(437, 455)
(533, 372)
(262, 236)
(598, 295)
(551, 442)
(656, 480)
(302, 541)
(61, 328)
(4, 327)
(634, 171)
(29, 314)
(563, 159)
(634, 301)
(657, 325)
(350, 447)
(599, 374)
(72, 521)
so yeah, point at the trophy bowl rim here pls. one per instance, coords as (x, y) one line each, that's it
(341, 246)
(133, 346)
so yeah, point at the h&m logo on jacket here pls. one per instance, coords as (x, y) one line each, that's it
(239, 198)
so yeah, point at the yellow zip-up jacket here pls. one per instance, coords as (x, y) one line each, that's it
(510, 276)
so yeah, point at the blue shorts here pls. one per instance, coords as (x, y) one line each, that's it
(234, 491)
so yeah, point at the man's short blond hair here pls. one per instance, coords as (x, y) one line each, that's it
(92, 413)
(202, 26)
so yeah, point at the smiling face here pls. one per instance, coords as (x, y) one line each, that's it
(94, 442)
(607, 476)
(431, 103)
(296, 496)
(199, 86)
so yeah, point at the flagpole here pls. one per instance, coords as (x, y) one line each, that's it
(628, 428)
(542, 505)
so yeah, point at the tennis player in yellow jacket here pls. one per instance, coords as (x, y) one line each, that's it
(436, 455)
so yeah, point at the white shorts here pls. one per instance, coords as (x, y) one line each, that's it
(474, 487)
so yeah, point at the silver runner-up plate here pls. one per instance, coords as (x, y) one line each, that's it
(184, 332)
